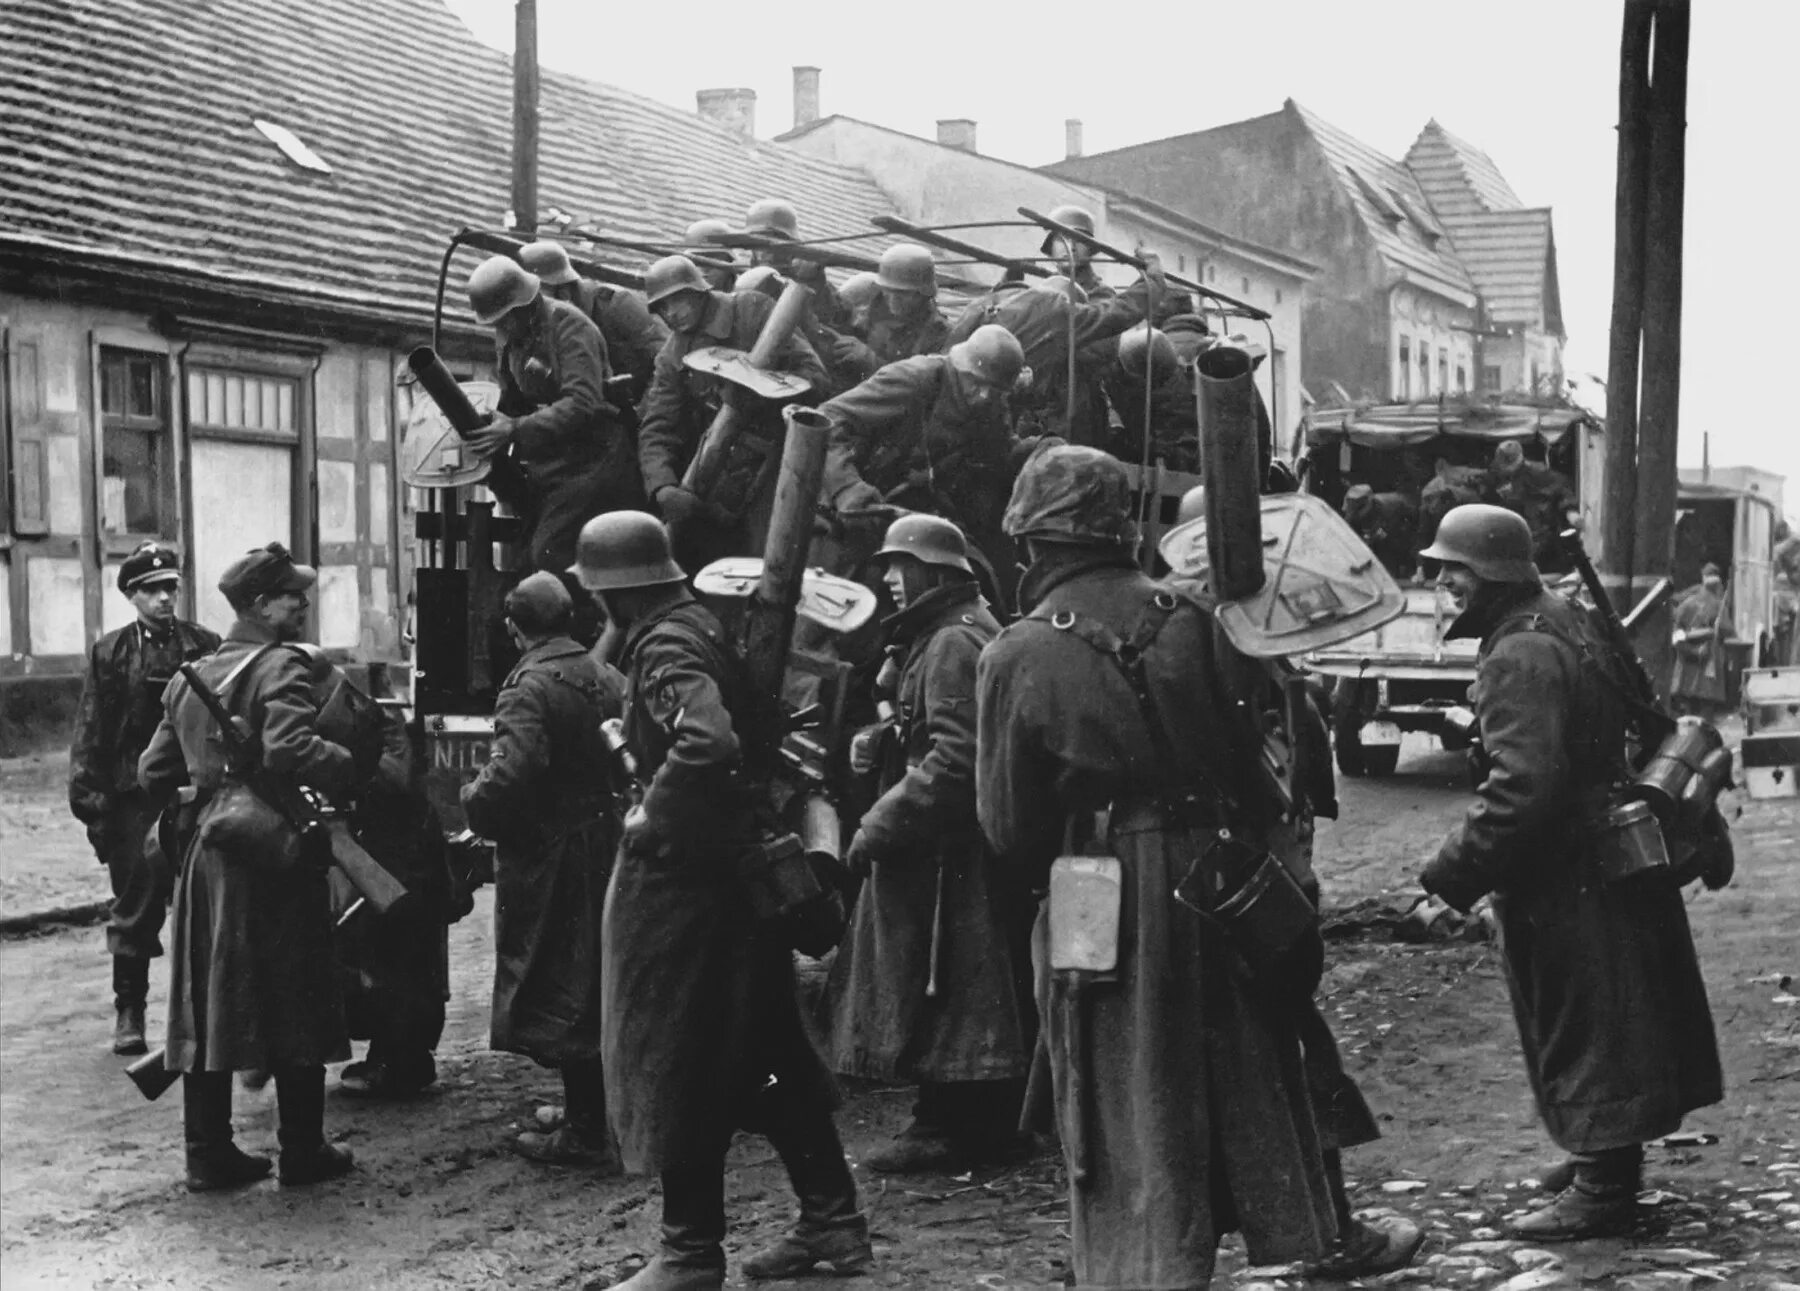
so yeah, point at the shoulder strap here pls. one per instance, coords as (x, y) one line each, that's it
(1182, 798)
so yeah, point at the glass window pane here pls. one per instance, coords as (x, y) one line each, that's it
(271, 406)
(143, 387)
(196, 397)
(112, 385)
(215, 399)
(285, 418)
(234, 402)
(131, 500)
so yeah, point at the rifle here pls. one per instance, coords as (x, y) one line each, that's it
(304, 809)
(1653, 722)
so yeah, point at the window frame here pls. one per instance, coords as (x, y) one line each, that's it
(171, 517)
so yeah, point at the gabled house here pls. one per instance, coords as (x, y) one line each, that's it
(220, 231)
(1510, 252)
(1398, 308)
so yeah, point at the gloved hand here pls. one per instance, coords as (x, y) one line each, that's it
(680, 507)
(493, 437)
(857, 858)
(866, 747)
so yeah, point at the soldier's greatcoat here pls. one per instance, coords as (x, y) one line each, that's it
(568, 442)
(1606, 988)
(545, 799)
(699, 1003)
(633, 335)
(882, 1025)
(253, 982)
(121, 706)
(1194, 1106)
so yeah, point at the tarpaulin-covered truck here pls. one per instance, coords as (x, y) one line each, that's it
(1416, 461)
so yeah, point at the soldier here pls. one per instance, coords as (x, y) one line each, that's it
(121, 703)
(702, 1030)
(1387, 522)
(253, 983)
(544, 799)
(930, 433)
(1061, 250)
(553, 422)
(1042, 318)
(718, 267)
(1177, 1076)
(1611, 1009)
(632, 336)
(1539, 493)
(681, 405)
(776, 222)
(924, 987)
(1702, 626)
(1174, 417)
(902, 319)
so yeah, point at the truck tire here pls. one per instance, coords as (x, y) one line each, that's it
(1347, 742)
(1381, 759)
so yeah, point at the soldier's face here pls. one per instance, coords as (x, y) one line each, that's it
(1459, 581)
(977, 394)
(905, 578)
(682, 311)
(285, 614)
(905, 304)
(514, 326)
(155, 603)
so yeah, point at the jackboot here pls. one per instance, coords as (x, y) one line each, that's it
(1600, 1202)
(213, 1160)
(692, 1257)
(131, 988)
(300, 1110)
(582, 1137)
(830, 1230)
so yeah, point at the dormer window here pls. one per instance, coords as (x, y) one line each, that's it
(1384, 204)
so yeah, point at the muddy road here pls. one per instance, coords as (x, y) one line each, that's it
(90, 1192)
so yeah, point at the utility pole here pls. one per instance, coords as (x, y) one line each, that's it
(1618, 532)
(1659, 396)
(525, 119)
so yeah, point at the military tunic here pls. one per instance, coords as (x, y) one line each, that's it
(883, 1027)
(1611, 1008)
(633, 335)
(699, 1002)
(1699, 676)
(253, 979)
(545, 799)
(568, 443)
(884, 338)
(121, 705)
(1196, 1113)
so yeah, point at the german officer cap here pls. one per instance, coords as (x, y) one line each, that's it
(150, 564)
(267, 571)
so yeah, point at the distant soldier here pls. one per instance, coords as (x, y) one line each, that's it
(1175, 1070)
(1388, 523)
(546, 800)
(1606, 988)
(719, 267)
(682, 403)
(703, 1034)
(121, 704)
(567, 452)
(1042, 318)
(253, 977)
(1061, 250)
(1702, 626)
(931, 434)
(924, 988)
(1174, 417)
(632, 335)
(901, 320)
(1539, 493)
(775, 221)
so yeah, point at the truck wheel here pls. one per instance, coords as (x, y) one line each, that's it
(1381, 759)
(1348, 742)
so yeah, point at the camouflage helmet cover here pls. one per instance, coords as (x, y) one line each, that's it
(1071, 493)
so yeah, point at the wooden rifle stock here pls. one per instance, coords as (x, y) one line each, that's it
(709, 459)
(1654, 723)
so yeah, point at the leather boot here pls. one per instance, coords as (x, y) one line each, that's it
(830, 1230)
(131, 987)
(582, 1138)
(213, 1160)
(300, 1108)
(693, 1251)
(1600, 1202)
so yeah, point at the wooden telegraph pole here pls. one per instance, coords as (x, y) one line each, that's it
(1643, 389)
(525, 119)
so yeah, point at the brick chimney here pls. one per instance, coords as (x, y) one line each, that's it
(1072, 137)
(735, 109)
(806, 96)
(957, 132)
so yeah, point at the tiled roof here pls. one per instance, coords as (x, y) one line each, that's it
(1512, 257)
(1458, 177)
(126, 129)
(1390, 203)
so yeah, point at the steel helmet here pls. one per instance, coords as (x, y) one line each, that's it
(859, 289)
(549, 261)
(498, 286)
(1493, 542)
(772, 218)
(1193, 505)
(907, 266)
(624, 549)
(992, 355)
(1163, 360)
(1059, 285)
(670, 276)
(761, 278)
(929, 538)
(1074, 217)
(1072, 493)
(708, 233)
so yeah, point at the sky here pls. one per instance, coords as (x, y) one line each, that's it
(1534, 83)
